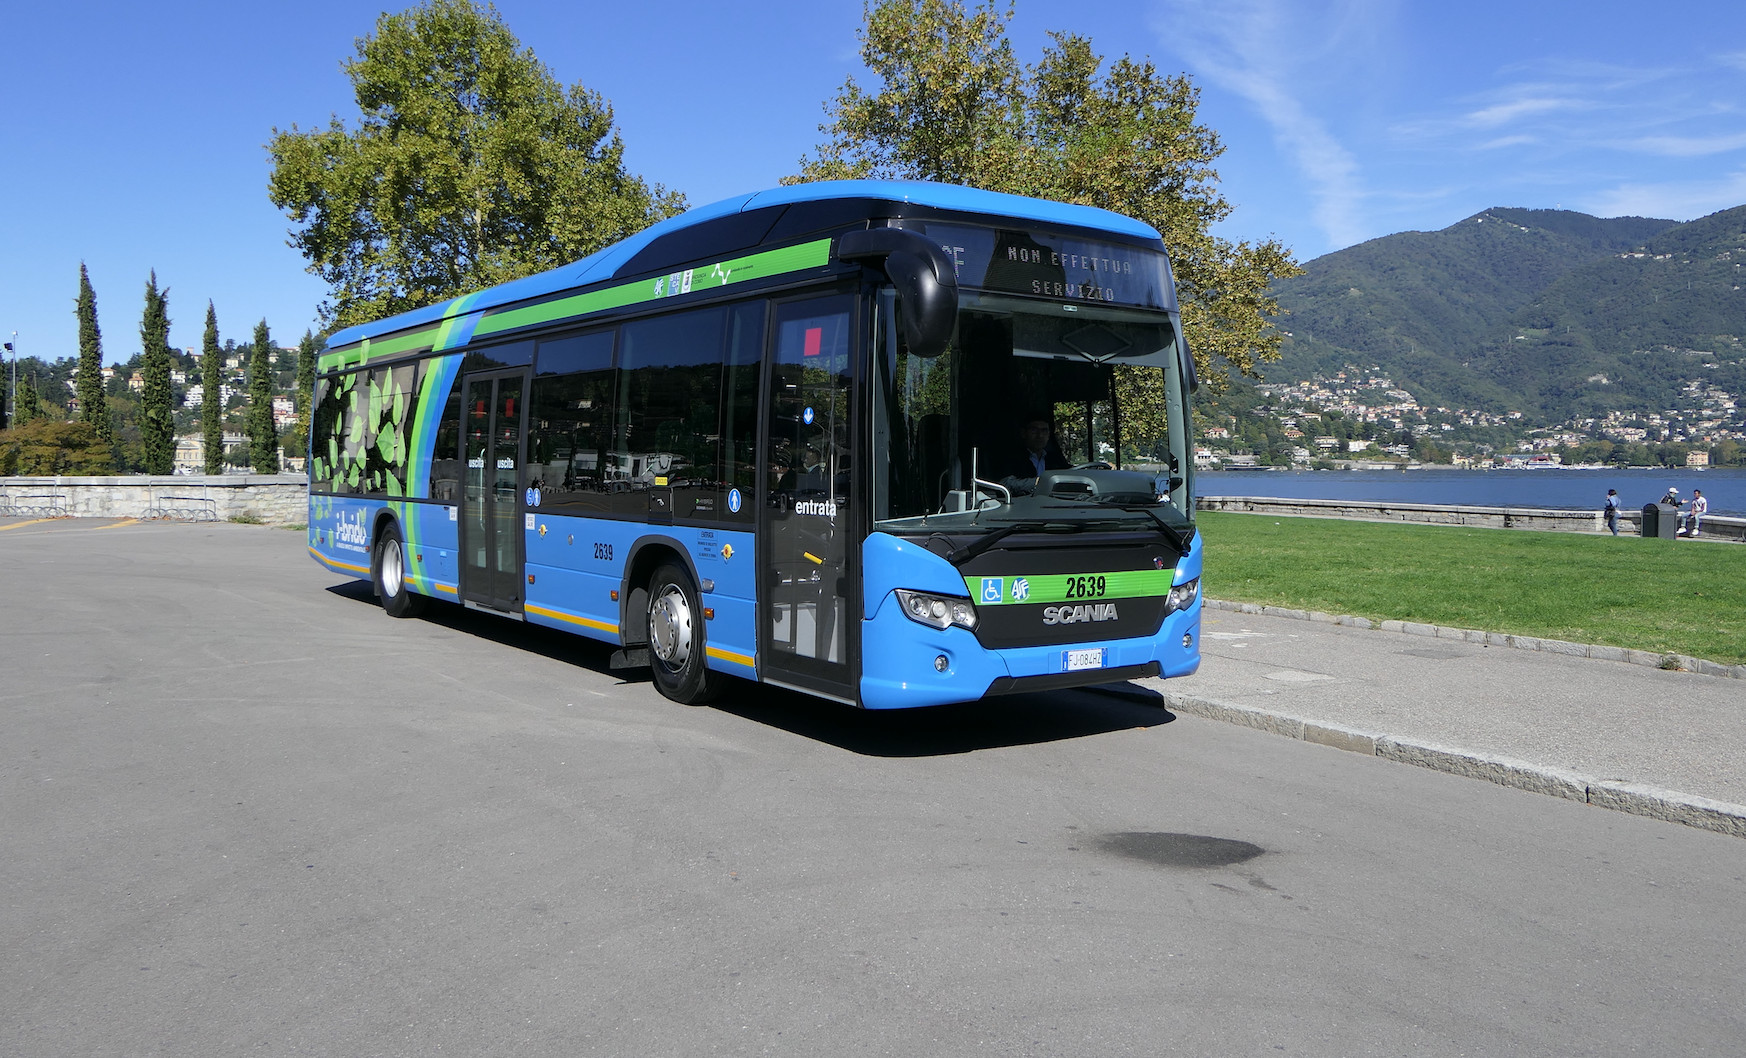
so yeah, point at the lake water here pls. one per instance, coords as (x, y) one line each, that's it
(1725, 488)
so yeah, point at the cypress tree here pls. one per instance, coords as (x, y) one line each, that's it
(29, 404)
(93, 405)
(304, 392)
(263, 436)
(157, 419)
(212, 394)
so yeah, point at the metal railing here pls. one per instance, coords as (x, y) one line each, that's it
(180, 509)
(32, 504)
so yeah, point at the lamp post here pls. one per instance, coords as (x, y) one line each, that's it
(12, 386)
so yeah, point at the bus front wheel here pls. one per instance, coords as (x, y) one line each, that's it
(397, 599)
(676, 639)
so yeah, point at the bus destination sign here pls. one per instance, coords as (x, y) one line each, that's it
(1060, 267)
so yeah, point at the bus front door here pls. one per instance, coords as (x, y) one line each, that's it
(491, 541)
(806, 601)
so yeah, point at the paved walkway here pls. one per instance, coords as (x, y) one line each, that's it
(1631, 737)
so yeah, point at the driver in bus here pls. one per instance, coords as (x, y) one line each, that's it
(1037, 451)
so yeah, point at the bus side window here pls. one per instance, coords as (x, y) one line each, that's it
(667, 434)
(570, 429)
(388, 427)
(346, 442)
(323, 435)
(739, 410)
(445, 463)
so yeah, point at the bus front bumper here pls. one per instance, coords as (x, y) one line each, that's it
(907, 665)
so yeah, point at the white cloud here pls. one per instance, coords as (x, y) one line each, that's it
(1514, 110)
(1675, 200)
(1507, 141)
(1690, 146)
(1263, 50)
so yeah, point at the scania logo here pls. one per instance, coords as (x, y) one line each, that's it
(1071, 615)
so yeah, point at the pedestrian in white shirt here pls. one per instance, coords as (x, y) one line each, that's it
(1699, 508)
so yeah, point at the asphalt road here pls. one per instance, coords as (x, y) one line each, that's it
(243, 811)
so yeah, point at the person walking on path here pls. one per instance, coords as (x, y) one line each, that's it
(1612, 511)
(1699, 508)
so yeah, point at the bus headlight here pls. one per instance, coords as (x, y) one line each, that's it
(939, 611)
(1182, 596)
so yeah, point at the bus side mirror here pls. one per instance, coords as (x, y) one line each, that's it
(924, 277)
(1189, 371)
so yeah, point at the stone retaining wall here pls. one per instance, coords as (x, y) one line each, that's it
(1715, 527)
(273, 499)
(281, 499)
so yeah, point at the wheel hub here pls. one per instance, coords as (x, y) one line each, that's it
(393, 568)
(670, 627)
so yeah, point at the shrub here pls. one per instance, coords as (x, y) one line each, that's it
(43, 446)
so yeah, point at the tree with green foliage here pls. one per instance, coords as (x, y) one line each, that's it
(93, 408)
(157, 416)
(48, 446)
(29, 403)
(954, 105)
(470, 165)
(303, 390)
(263, 434)
(212, 394)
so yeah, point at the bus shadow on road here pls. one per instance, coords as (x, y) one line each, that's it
(536, 639)
(942, 730)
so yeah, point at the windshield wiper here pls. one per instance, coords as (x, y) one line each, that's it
(983, 543)
(1177, 537)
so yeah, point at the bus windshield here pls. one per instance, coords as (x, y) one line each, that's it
(1063, 415)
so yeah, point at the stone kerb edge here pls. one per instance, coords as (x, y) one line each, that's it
(1495, 639)
(1637, 799)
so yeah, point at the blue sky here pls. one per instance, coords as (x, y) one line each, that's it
(131, 137)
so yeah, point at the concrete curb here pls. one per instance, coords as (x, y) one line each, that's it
(1647, 658)
(1632, 798)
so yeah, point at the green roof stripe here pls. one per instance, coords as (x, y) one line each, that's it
(688, 281)
(763, 265)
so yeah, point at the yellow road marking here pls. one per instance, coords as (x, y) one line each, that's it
(33, 521)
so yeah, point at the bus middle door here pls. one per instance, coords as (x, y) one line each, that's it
(491, 539)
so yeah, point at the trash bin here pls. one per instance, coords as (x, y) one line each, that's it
(1660, 520)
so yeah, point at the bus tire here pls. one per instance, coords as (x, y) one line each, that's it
(398, 600)
(677, 653)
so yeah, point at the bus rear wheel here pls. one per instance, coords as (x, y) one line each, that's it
(676, 639)
(397, 599)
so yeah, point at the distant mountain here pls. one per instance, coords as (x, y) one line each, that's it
(1548, 312)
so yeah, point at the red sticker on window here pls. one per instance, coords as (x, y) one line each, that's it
(814, 340)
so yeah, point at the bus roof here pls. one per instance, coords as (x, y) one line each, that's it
(605, 264)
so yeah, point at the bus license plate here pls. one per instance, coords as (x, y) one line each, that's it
(1074, 660)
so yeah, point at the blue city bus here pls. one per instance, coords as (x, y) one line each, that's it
(891, 444)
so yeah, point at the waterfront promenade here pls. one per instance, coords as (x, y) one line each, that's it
(1715, 527)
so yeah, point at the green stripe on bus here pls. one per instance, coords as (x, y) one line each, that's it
(380, 348)
(689, 281)
(1070, 587)
(763, 265)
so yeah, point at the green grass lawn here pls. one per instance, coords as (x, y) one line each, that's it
(1667, 596)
